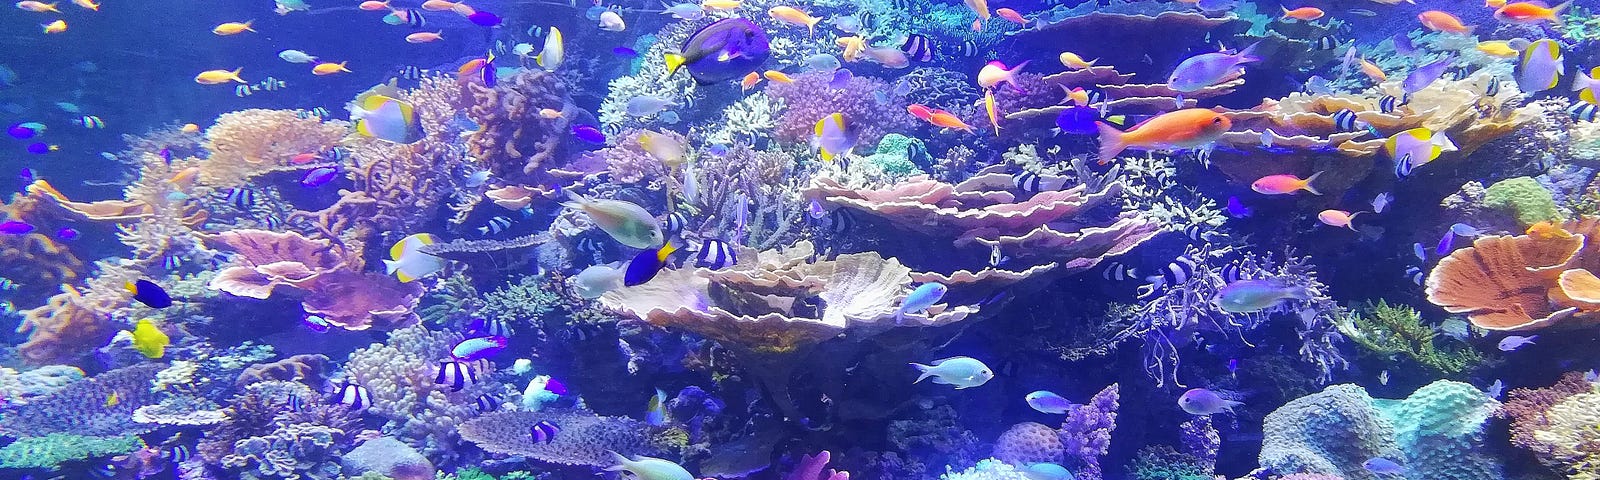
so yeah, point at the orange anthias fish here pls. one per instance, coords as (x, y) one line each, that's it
(920, 111)
(852, 47)
(1529, 12)
(1078, 96)
(749, 81)
(1187, 128)
(1372, 71)
(471, 67)
(1337, 218)
(374, 6)
(185, 178)
(1548, 231)
(943, 119)
(1443, 22)
(1494, 3)
(1303, 13)
(329, 68)
(1011, 15)
(1285, 184)
(437, 5)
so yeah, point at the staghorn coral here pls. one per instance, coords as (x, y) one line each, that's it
(250, 143)
(399, 377)
(1523, 282)
(584, 438)
(808, 99)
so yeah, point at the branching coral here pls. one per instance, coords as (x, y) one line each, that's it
(399, 377)
(515, 141)
(1389, 330)
(1555, 436)
(249, 143)
(809, 98)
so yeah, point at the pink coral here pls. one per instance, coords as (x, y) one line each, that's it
(358, 301)
(811, 466)
(1028, 442)
(809, 98)
(266, 260)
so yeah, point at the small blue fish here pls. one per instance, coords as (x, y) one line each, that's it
(1045, 401)
(148, 293)
(1418, 250)
(315, 323)
(1446, 244)
(924, 296)
(67, 233)
(655, 410)
(841, 78)
(963, 372)
(319, 176)
(647, 264)
(589, 133)
(625, 52)
(1496, 389)
(1236, 208)
(1513, 342)
(1425, 75)
(473, 349)
(1465, 230)
(1381, 202)
(1200, 401)
(1402, 44)
(1206, 69)
(484, 19)
(1383, 466)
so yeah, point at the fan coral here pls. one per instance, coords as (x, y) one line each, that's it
(584, 439)
(1523, 282)
(809, 98)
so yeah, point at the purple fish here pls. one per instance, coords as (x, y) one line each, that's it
(718, 149)
(625, 52)
(319, 176)
(1206, 69)
(491, 75)
(1078, 120)
(1446, 243)
(13, 227)
(41, 148)
(556, 387)
(67, 233)
(21, 132)
(1236, 208)
(588, 133)
(484, 19)
(1425, 75)
(841, 78)
(1465, 230)
(1403, 45)
(166, 155)
(1383, 466)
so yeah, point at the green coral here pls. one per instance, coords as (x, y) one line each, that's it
(454, 295)
(1160, 462)
(1390, 330)
(532, 299)
(1579, 25)
(54, 449)
(1525, 198)
(900, 156)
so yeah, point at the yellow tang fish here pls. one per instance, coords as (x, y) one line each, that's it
(149, 340)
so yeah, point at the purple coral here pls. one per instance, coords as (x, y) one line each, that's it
(811, 466)
(1086, 433)
(695, 407)
(1029, 442)
(1200, 440)
(809, 98)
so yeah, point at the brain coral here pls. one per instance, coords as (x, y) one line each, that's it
(1440, 427)
(1028, 442)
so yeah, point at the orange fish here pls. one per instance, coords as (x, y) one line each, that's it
(190, 128)
(329, 68)
(853, 46)
(777, 76)
(1372, 71)
(1548, 231)
(1078, 96)
(749, 81)
(1443, 22)
(1337, 218)
(36, 6)
(185, 178)
(437, 5)
(1285, 184)
(920, 111)
(1303, 13)
(1187, 128)
(1529, 12)
(373, 6)
(1494, 3)
(1011, 15)
(304, 158)
(943, 119)
(471, 67)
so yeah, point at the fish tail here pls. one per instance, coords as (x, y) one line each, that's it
(674, 61)
(1249, 54)
(575, 200)
(247, 25)
(390, 266)
(1351, 224)
(235, 75)
(1308, 181)
(622, 462)
(925, 370)
(1583, 81)
(1111, 142)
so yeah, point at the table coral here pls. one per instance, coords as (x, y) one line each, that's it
(50, 451)
(1523, 282)
(81, 407)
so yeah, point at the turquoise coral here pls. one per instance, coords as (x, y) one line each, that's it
(1524, 198)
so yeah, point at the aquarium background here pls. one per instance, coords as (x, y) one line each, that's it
(799, 240)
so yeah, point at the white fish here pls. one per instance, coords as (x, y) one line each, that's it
(685, 11)
(647, 105)
(611, 22)
(963, 372)
(650, 468)
(626, 222)
(596, 280)
(554, 51)
(1381, 202)
(1496, 389)
(407, 263)
(296, 56)
(1513, 342)
(1045, 401)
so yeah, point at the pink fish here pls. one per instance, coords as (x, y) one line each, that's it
(1011, 15)
(1284, 184)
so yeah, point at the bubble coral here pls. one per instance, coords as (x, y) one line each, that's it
(1523, 282)
(584, 439)
(1028, 442)
(809, 98)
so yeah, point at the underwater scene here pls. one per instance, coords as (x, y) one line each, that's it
(800, 240)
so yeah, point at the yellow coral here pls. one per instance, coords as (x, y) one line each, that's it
(248, 143)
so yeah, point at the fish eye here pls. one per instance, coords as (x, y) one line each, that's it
(1216, 120)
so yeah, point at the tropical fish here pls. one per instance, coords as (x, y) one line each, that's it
(455, 375)
(1514, 342)
(834, 137)
(649, 468)
(917, 47)
(1303, 13)
(822, 62)
(406, 261)
(1500, 48)
(724, 50)
(666, 149)
(388, 119)
(1207, 69)
(1443, 22)
(920, 298)
(1337, 218)
(1248, 296)
(36, 6)
(149, 340)
(588, 133)
(794, 16)
(544, 431)
(57, 26)
(425, 37)
(233, 28)
(715, 254)
(1372, 71)
(148, 293)
(1540, 67)
(610, 21)
(1425, 75)
(484, 19)
(995, 73)
(1420, 145)
(647, 264)
(1072, 60)
(477, 348)
(1200, 401)
(1383, 466)
(214, 77)
(777, 76)
(988, 107)
(1011, 15)
(962, 372)
(1381, 202)
(655, 409)
(319, 176)
(354, 396)
(554, 51)
(14, 227)
(495, 225)
(1187, 128)
(329, 68)
(627, 223)
(1530, 12)
(596, 280)
(685, 11)
(1284, 184)
(1045, 401)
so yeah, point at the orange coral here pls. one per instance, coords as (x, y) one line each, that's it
(1520, 283)
(249, 143)
(63, 331)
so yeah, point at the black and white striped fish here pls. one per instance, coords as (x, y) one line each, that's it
(1493, 88)
(590, 247)
(838, 222)
(487, 403)
(489, 327)
(1346, 121)
(270, 84)
(89, 121)
(1230, 272)
(178, 454)
(1118, 272)
(715, 255)
(968, 49)
(1176, 273)
(536, 31)
(1328, 42)
(242, 91)
(1389, 103)
(917, 47)
(242, 198)
(335, 154)
(1460, 73)
(1402, 166)
(411, 72)
(1030, 182)
(318, 112)
(495, 226)
(544, 431)
(414, 18)
(1583, 111)
(500, 48)
(456, 375)
(1195, 231)
(674, 223)
(295, 403)
(1416, 275)
(272, 221)
(355, 396)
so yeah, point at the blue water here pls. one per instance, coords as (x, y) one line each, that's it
(527, 239)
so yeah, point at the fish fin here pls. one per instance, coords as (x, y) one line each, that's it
(622, 462)
(1310, 179)
(674, 62)
(1229, 404)
(1110, 142)
(391, 266)
(575, 200)
(925, 370)
(1249, 54)
(235, 75)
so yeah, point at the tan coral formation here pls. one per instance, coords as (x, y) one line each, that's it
(1523, 282)
(249, 143)
(64, 331)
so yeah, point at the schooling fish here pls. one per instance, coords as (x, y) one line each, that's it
(1187, 128)
(649, 468)
(627, 223)
(1248, 296)
(995, 73)
(962, 372)
(1200, 401)
(1045, 401)
(214, 77)
(924, 296)
(715, 254)
(406, 261)
(1206, 69)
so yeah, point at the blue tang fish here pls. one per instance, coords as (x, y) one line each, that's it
(724, 50)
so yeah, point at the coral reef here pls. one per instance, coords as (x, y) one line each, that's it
(809, 98)
(585, 438)
(1523, 282)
